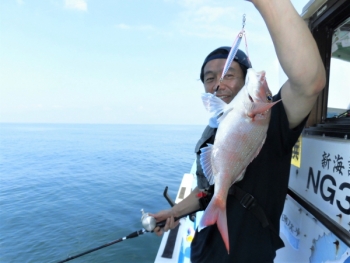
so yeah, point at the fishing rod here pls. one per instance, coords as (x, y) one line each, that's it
(132, 235)
(148, 222)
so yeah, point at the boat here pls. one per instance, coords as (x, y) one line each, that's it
(176, 243)
(315, 223)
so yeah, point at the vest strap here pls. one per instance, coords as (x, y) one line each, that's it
(249, 202)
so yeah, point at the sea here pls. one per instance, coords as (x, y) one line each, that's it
(68, 188)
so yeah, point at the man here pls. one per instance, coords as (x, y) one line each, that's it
(266, 178)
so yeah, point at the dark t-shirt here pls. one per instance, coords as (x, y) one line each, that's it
(266, 178)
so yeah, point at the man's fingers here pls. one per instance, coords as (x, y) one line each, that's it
(158, 231)
(167, 225)
(170, 223)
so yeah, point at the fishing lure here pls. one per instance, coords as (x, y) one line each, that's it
(233, 51)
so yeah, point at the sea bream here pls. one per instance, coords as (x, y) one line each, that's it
(242, 127)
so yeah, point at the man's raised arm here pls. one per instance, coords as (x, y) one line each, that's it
(298, 55)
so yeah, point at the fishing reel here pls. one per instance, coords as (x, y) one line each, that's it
(148, 222)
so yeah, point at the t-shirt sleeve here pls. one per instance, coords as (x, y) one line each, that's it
(279, 133)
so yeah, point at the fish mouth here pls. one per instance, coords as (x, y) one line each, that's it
(250, 98)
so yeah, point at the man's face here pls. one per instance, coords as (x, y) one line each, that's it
(232, 83)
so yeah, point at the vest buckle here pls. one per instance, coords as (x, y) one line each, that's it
(247, 201)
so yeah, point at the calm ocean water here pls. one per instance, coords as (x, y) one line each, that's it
(67, 188)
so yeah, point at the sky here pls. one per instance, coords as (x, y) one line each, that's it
(117, 61)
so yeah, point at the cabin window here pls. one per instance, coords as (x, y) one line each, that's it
(329, 23)
(339, 74)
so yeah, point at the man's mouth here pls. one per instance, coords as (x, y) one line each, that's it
(222, 96)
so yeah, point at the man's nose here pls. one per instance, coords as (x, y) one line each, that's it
(219, 85)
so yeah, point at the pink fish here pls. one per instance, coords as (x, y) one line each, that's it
(240, 136)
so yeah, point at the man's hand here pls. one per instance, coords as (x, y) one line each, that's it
(298, 55)
(169, 224)
(188, 205)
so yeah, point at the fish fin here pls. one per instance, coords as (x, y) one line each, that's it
(205, 160)
(240, 176)
(213, 122)
(216, 213)
(255, 108)
(217, 107)
(213, 104)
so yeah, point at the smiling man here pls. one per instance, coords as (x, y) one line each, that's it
(233, 80)
(232, 83)
(253, 227)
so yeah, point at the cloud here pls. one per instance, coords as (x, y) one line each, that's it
(80, 5)
(20, 2)
(137, 27)
(208, 21)
(123, 26)
(219, 19)
(198, 18)
(209, 14)
(189, 3)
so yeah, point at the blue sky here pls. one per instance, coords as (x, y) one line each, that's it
(135, 61)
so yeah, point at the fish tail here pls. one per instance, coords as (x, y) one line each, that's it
(216, 214)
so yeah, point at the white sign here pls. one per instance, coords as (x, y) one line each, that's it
(323, 178)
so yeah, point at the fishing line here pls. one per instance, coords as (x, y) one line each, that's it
(245, 38)
(233, 51)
